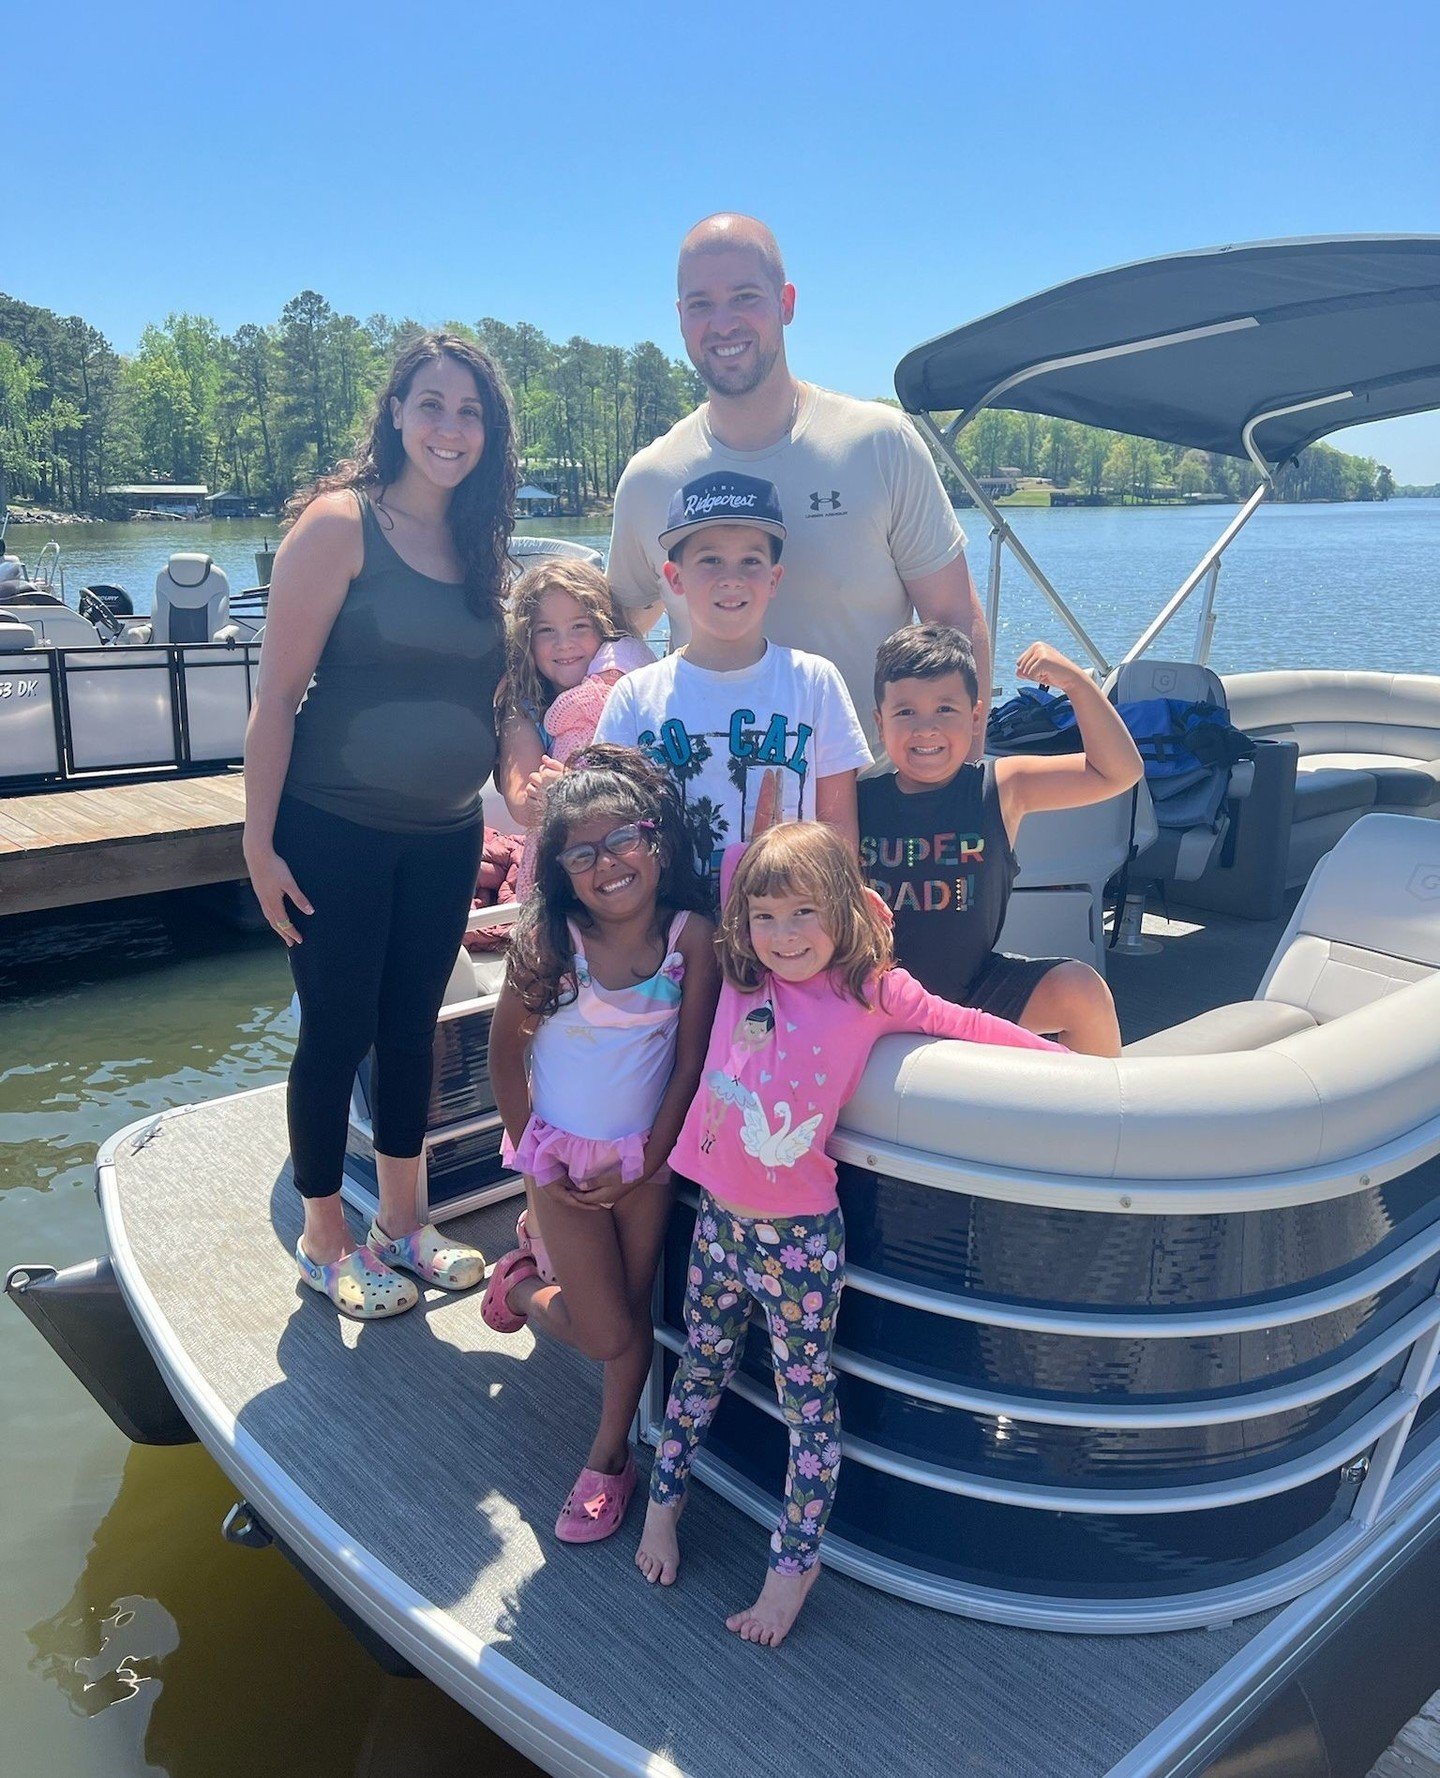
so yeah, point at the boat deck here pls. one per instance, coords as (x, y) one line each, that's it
(64, 847)
(438, 1501)
(1208, 960)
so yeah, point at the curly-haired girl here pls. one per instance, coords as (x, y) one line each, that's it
(565, 647)
(595, 1053)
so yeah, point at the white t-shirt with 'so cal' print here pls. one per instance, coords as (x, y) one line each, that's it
(717, 734)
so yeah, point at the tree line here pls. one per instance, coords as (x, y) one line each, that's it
(1114, 466)
(264, 409)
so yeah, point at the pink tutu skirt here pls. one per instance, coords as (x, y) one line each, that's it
(547, 1153)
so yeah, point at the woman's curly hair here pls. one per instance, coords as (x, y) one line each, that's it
(810, 859)
(601, 780)
(481, 515)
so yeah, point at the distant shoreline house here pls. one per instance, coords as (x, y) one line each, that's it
(181, 500)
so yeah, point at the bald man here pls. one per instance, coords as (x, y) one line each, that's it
(871, 533)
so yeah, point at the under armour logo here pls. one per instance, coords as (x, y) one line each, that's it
(832, 500)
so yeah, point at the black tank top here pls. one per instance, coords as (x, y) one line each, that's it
(943, 862)
(398, 729)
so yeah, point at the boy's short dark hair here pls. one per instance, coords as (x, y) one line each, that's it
(676, 550)
(925, 651)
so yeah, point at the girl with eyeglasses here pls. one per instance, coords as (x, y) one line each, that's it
(595, 1055)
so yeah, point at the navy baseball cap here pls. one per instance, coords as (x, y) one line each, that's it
(723, 499)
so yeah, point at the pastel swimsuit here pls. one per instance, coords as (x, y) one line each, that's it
(599, 1066)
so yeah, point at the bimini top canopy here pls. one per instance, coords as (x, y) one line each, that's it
(1253, 351)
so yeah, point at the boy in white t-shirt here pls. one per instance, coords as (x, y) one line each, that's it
(729, 707)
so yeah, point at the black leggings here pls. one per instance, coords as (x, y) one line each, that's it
(390, 910)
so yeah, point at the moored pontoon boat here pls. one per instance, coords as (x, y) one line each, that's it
(1129, 1347)
(91, 692)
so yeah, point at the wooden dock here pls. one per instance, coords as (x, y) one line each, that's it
(66, 847)
(1416, 1750)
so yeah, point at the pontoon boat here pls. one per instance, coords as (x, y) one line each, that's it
(1137, 1356)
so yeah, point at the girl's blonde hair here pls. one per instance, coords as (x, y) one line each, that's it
(810, 859)
(528, 692)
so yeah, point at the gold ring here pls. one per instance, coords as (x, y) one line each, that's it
(285, 926)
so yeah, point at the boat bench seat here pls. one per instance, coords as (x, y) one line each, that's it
(1331, 789)
(1248, 1025)
(1367, 927)
(1400, 784)
(14, 636)
(1366, 741)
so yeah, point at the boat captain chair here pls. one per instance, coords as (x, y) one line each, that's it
(1186, 843)
(192, 603)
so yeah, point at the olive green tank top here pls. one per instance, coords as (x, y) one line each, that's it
(397, 730)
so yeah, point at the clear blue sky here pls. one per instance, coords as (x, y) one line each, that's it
(921, 164)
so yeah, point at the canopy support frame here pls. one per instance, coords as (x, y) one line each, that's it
(1002, 536)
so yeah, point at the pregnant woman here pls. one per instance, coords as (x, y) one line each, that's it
(372, 730)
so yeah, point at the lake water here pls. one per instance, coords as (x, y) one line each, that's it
(132, 1639)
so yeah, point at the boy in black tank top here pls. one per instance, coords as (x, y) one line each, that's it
(937, 834)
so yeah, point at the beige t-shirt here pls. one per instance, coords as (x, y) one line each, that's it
(864, 512)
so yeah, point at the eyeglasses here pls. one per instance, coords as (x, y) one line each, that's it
(620, 842)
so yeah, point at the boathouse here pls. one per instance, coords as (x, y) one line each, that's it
(234, 505)
(184, 500)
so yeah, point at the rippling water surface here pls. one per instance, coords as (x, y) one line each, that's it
(132, 1639)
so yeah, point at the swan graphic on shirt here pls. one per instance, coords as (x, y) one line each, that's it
(780, 1147)
(784, 1057)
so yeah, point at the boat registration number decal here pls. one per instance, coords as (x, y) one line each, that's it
(19, 688)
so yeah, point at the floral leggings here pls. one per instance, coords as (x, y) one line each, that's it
(793, 1268)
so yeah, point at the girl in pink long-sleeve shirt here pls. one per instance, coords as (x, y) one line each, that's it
(809, 989)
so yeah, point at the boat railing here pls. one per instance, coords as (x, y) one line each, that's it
(69, 715)
(251, 605)
(49, 574)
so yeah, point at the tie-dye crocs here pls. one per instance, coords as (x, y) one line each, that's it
(595, 1506)
(450, 1264)
(359, 1285)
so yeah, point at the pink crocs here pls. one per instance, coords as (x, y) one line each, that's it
(535, 1247)
(506, 1273)
(595, 1507)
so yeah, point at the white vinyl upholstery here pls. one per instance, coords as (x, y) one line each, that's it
(14, 635)
(1146, 678)
(1248, 1025)
(1321, 1095)
(461, 984)
(1367, 741)
(1338, 1055)
(1368, 923)
(1373, 723)
(192, 601)
(1066, 857)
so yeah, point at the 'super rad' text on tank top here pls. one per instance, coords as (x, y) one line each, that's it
(944, 864)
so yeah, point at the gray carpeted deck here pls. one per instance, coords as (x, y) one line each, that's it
(1208, 960)
(453, 1483)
